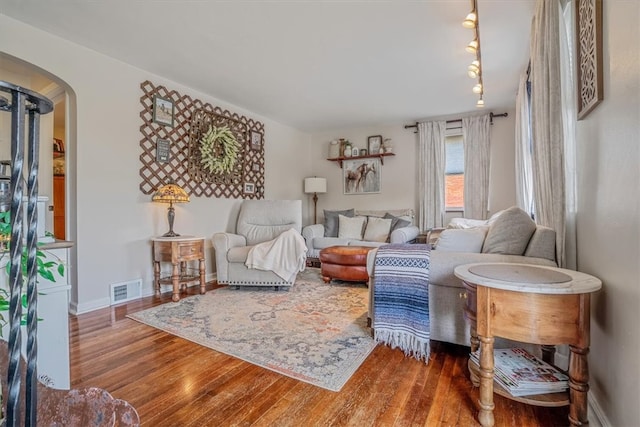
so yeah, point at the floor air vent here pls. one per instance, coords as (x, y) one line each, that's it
(126, 291)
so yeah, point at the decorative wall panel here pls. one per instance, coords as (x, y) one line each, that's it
(191, 120)
(589, 55)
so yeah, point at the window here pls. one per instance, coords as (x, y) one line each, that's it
(454, 173)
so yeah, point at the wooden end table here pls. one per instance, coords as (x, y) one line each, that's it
(178, 251)
(535, 304)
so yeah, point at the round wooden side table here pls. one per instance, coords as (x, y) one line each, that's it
(535, 304)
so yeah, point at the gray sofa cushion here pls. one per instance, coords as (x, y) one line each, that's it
(396, 222)
(542, 244)
(510, 233)
(331, 221)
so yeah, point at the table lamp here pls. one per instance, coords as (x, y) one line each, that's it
(315, 185)
(170, 193)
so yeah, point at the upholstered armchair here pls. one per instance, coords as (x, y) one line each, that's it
(258, 221)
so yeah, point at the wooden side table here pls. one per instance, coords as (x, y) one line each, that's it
(178, 251)
(536, 304)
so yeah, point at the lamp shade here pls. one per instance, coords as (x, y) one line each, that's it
(315, 185)
(170, 193)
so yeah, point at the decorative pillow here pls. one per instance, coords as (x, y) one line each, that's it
(377, 230)
(351, 228)
(396, 222)
(331, 221)
(461, 240)
(509, 233)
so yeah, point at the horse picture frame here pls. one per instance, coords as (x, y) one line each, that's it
(361, 176)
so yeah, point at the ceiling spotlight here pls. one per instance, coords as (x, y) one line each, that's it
(480, 103)
(472, 47)
(470, 20)
(474, 69)
(477, 88)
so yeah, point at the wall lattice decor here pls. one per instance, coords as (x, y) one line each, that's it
(589, 55)
(191, 119)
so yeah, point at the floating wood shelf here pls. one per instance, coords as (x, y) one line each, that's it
(369, 156)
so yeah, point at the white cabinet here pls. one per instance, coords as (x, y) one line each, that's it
(53, 329)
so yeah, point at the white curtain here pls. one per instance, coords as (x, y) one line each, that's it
(431, 174)
(569, 102)
(524, 178)
(476, 139)
(546, 119)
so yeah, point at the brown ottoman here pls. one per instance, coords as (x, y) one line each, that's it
(347, 263)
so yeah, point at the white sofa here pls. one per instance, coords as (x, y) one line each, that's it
(318, 236)
(489, 241)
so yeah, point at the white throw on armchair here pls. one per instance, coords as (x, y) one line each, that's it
(258, 221)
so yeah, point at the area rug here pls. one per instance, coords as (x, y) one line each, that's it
(313, 332)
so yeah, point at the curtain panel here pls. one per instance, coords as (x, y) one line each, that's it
(546, 119)
(431, 160)
(476, 140)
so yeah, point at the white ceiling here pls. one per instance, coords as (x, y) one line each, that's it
(313, 65)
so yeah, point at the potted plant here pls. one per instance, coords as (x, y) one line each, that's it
(45, 268)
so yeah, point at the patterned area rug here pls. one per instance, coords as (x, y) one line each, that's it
(313, 332)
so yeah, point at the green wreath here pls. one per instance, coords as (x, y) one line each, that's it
(219, 150)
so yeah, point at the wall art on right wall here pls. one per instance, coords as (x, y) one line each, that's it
(589, 55)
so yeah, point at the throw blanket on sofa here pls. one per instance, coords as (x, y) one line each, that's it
(401, 298)
(285, 255)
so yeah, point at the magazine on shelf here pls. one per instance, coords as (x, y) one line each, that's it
(521, 373)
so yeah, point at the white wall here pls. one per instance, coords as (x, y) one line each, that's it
(398, 187)
(112, 221)
(608, 221)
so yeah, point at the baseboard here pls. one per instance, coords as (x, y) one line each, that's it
(77, 309)
(597, 417)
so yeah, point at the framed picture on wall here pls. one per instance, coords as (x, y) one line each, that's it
(163, 111)
(249, 188)
(361, 176)
(163, 148)
(374, 143)
(256, 140)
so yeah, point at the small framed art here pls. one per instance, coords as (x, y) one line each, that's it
(162, 150)
(163, 111)
(374, 143)
(256, 140)
(249, 188)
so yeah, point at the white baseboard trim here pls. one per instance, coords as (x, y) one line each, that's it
(148, 290)
(597, 417)
(75, 308)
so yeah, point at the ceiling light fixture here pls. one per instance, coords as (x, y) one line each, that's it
(470, 20)
(472, 47)
(474, 70)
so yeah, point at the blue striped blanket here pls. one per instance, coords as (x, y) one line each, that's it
(401, 298)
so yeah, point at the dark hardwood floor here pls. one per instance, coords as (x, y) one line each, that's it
(174, 382)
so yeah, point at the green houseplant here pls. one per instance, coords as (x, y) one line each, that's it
(45, 268)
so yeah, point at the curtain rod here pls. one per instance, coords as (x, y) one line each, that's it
(491, 116)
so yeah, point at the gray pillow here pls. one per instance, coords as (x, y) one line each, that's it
(510, 233)
(396, 222)
(331, 221)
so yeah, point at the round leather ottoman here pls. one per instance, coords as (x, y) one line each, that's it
(348, 263)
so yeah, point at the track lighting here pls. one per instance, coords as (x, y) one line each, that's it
(470, 20)
(472, 47)
(474, 69)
